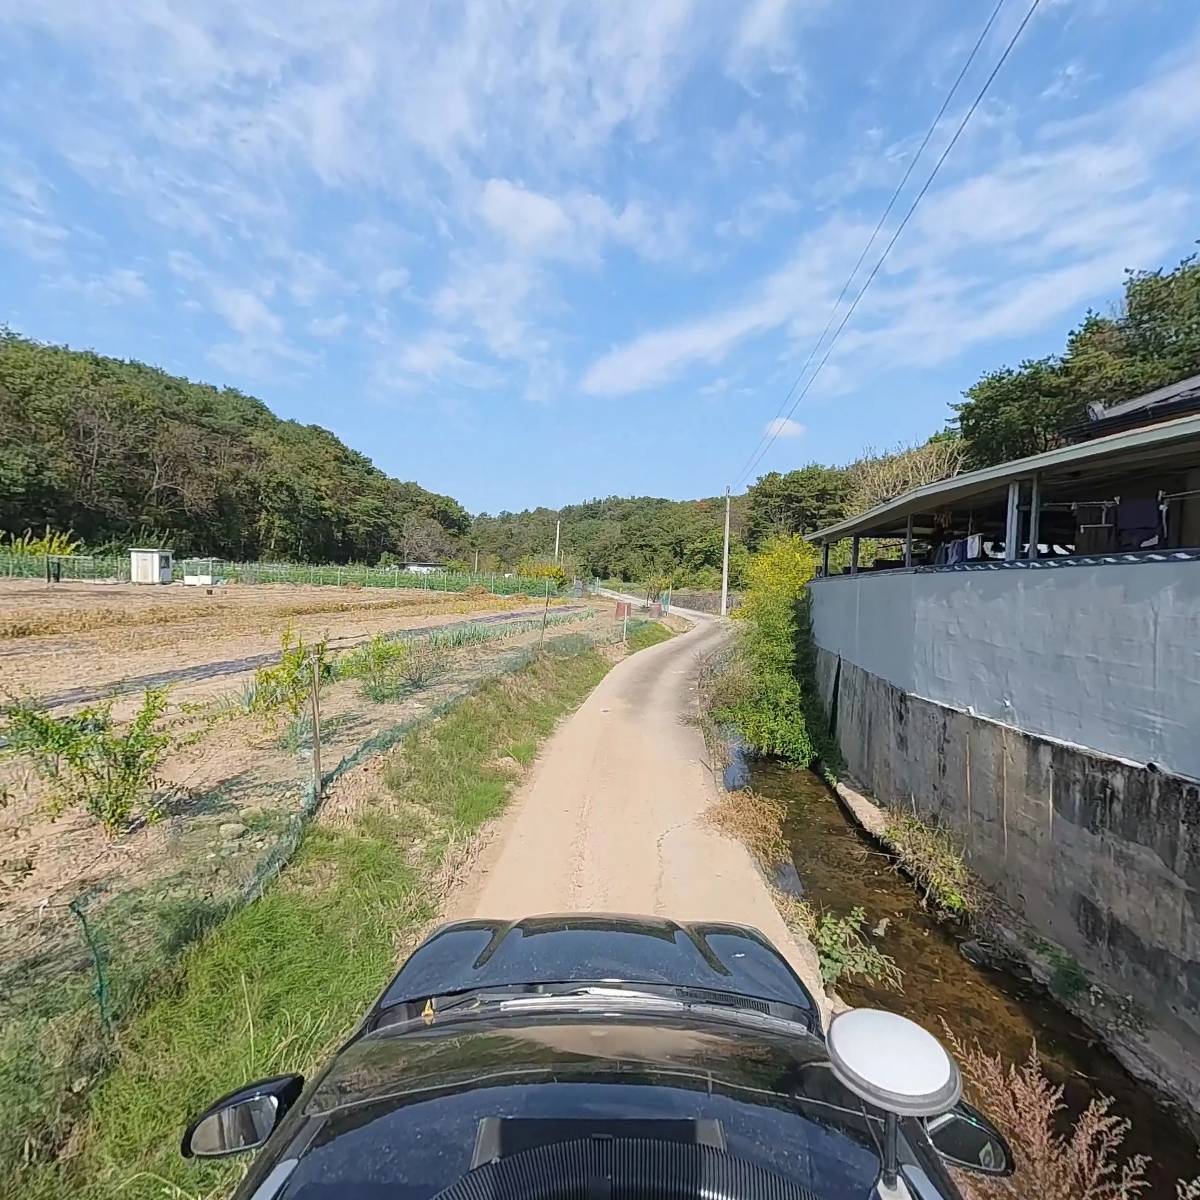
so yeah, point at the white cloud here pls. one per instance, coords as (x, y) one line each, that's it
(436, 358)
(391, 279)
(800, 291)
(784, 427)
(1068, 210)
(112, 287)
(245, 312)
(329, 327)
(525, 218)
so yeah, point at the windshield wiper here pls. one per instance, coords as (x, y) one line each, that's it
(517, 998)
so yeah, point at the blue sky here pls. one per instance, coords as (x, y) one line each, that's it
(534, 251)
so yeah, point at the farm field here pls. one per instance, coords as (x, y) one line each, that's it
(89, 916)
(86, 636)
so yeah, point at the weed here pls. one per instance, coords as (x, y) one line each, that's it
(1086, 1165)
(755, 821)
(844, 951)
(52, 542)
(931, 857)
(424, 662)
(85, 761)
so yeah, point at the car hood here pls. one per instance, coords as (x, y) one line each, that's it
(570, 948)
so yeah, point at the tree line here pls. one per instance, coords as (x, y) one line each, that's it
(118, 451)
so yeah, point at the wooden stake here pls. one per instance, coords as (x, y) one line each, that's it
(315, 696)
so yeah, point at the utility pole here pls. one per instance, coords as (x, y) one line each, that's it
(557, 531)
(725, 562)
(476, 560)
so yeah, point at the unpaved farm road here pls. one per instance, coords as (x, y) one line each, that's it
(613, 815)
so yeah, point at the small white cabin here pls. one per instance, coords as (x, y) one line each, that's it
(150, 566)
(423, 568)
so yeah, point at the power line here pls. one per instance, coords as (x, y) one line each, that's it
(941, 112)
(773, 426)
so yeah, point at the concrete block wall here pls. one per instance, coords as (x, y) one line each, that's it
(1100, 855)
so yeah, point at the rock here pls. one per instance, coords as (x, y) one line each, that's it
(229, 848)
(231, 830)
(252, 814)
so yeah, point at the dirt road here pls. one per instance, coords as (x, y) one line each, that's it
(612, 818)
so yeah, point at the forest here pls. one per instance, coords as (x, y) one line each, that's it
(124, 453)
(121, 452)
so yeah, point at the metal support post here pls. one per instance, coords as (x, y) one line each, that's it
(1012, 523)
(1035, 516)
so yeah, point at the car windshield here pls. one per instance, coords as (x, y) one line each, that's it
(588, 950)
(413, 1150)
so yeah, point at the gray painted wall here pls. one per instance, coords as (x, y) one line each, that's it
(1101, 856)
(1104, 657)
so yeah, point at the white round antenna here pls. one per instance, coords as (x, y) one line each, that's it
(892, 1063)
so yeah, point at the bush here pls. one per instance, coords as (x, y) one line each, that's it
(390, 668)
(779, 713)
(84, 761)
(285, 685)
(555, 572)
(51, 542)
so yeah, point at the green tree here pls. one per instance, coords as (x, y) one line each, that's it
(798, 502)
(1152, 339)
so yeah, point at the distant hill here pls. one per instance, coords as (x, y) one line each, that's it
(114, 450)
(632, 538)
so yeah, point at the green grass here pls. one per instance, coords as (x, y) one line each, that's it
(932, 857)
(276, 985)
(644, 634)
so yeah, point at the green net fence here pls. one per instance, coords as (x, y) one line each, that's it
(89, 923)
(98, 569)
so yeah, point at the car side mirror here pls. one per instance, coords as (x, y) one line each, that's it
(965, 1138)
(242, 1120)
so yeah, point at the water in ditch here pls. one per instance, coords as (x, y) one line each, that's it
(839, 868)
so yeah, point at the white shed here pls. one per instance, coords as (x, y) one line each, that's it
(150, 566)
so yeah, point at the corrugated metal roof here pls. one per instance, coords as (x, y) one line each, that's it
(1148, 441)
(1173, 391)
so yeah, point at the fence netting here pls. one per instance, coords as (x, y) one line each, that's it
(82, 940)
(116, 569)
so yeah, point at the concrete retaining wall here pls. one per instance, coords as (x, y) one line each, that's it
(1104, 657)
(1101, 856)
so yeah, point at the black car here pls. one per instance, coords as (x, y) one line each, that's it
(603, 1056)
